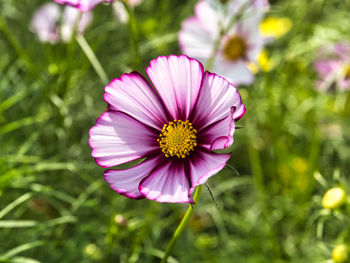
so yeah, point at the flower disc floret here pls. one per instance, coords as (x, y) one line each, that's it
(235, 48)
(178, 138)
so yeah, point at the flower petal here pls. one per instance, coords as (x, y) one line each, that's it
(82, 5)
(168, 183)
(177, 80)
(235, 72)
(203, 165)
(326, 67)
(194, 40)
(219, 135)
(210, 16)
(44, 23)
(117, 138)
(219, 105)
(132, 94)
(70, 20)
(126, 182)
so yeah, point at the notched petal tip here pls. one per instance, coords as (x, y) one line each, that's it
(205, 165)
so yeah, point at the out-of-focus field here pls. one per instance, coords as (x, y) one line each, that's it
(293, 145)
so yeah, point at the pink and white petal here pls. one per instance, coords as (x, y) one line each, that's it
(251, 8)
(235, 72)
(218, 106)
(134, 2)
(326, 67)
(87, 5)
(219, 135)
(167, 183)
(261, 5)
(82, 5)
(235, 7)
(178, 80)
(342, 50)
(118, 138)
(69, 21)
(132, 94)
(204, 165)
(44, 23)
(344, 84)
(210, 16)
(126, 182)
(194, 39)
(73, 3)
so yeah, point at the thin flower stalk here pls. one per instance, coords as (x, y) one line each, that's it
(182, 224)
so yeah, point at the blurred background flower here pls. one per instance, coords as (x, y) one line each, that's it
(52, 24)
(224, 37)
(82, 5)
(333, 67)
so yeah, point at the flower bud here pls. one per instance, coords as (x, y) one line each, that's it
(340, 254)
(120, 220)
(334, 198)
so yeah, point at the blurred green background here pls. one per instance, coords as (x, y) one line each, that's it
(293, 146)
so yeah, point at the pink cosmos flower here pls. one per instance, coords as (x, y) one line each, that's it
(175, 125)
(240, 42)
(48, 27)
(82, 5)
(334, 68)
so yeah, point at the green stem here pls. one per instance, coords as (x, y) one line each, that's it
(182, 224)
(92, 58)
(134, 37)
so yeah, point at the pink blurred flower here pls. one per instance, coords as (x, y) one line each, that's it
(175, 125)
(47, 26)
(82, 5)
(240, 41)
(134, 2)
(334, 68)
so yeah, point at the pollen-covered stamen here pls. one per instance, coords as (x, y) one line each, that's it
(178, 138)
(235, 48)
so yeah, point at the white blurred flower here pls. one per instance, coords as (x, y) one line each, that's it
(51, 24)
(235, 25)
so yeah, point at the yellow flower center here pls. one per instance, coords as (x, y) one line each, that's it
(235, 48)
(178, 138)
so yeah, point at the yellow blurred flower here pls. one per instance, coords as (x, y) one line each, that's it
(275, 26)
(334, 198)
(92, 251)
(340, 254)
(264, 63)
